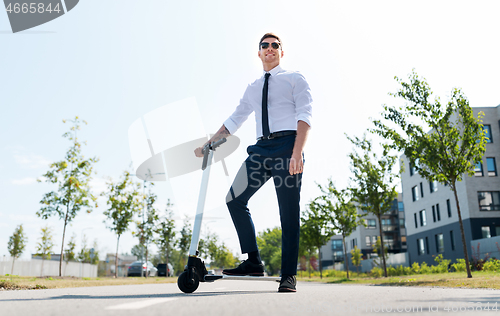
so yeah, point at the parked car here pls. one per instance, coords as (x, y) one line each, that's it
(162, 269)
(141, 268)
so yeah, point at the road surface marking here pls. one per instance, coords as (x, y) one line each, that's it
(141, 304)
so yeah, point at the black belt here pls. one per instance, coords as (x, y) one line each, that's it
(278, 134)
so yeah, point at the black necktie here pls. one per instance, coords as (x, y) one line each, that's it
(265, 119)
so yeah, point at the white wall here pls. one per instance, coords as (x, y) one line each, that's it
(50, 268)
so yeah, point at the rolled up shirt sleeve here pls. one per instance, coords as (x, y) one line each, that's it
(303, 99)
(240, 115)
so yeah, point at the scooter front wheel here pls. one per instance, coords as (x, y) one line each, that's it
(185, 284)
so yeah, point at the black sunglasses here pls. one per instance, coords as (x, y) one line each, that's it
(265, 45)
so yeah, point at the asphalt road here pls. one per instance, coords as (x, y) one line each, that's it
(249, 298)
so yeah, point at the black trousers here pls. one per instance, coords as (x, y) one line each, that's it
(267, 159)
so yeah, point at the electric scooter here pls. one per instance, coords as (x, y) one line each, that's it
(195, 270)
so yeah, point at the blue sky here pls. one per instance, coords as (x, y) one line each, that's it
(111, 62)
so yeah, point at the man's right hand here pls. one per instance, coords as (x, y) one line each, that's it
(198, 152)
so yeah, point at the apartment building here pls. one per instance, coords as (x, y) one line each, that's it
(364, 237)
(431, 211)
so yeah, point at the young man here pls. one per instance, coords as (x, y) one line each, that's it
(282, 104)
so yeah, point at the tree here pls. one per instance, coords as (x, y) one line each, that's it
(356, 257)
(17, 243)
(72, 177)
(340, 213)
(123, 200)
(269, 243)
(89, 255)
(139, 251)
(165, 231)
(185, 240)
(454, 145)
(373, 176)
(377, 248)
(146, 227)
(69, 252)
(45, 245)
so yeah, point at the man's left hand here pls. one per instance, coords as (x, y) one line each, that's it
(296, 164)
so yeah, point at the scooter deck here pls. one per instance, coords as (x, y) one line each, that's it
(213, 277)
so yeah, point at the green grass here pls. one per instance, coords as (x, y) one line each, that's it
(479, 280)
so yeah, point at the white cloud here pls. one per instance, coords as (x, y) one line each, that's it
(24, 181)
(31, 161)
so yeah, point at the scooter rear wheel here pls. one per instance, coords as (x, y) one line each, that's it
(184, 283)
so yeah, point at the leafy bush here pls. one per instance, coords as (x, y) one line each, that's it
(442, 266)
(376, 272)
(491, 265)
(459, 266)
(415, 268)
(424, 268)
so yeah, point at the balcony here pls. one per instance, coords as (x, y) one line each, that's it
(389, 228)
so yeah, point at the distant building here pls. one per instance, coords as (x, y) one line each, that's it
(393, 230)
(107, 268)
(431, 211)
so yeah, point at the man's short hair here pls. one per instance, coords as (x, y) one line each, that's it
(267, 35)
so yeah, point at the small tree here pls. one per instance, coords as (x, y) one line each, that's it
(139, 251)
(45, 245)
(72, 176)
(17, 243)
(124, 201)
(455, 144)
(165, 231)
(375, 190)
(317, 226)
(146, 227)
(184, 240)
(356, 257)
(341, 214)
(69, 252)
(269, 243)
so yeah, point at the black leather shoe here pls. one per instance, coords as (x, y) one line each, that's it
(246, 268)
(288, 283)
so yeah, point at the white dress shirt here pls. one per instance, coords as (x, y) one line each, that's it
(289, 101)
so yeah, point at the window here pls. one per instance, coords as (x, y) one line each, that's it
(433, 186)
(371, 223)
(433, 213)
(368, 241)
(337, 244)
(401, 207)
(438, 213)
(452, 240)
(415, 217)
(421, 189)
(478, 170)
(420, 246)
(412, 169)
(487, 133)
(439, 243)
(489, 200)
(492, 167)
(374, 240)
(423, 219)
(401, 223)
(403, 240)
(485, 231)
(354, 243)
(448, 206)
(338, 256)
(427, 245)
(497, 230)
(414, 193)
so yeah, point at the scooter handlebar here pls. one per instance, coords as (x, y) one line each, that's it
(207, 148)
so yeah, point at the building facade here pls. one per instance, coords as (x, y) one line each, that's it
(431, 209)
(365, 237)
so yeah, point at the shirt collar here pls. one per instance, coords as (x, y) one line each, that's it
(275, 70)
